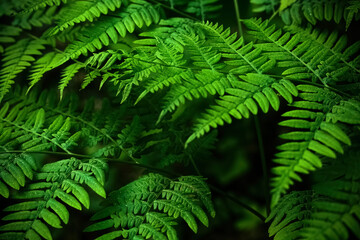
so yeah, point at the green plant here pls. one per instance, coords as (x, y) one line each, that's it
(155, 78)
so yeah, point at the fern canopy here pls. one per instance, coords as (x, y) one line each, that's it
(153, 97)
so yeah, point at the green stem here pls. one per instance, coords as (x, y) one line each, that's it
(263, 164)
(238, 19)
(194, 165)
(237, 201)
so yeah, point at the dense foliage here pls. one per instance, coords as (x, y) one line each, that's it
(121, 119)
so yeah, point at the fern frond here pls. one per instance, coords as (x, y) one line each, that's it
(44, 64)
(7, 34)
(13, 170)
(314, 11)
(32, 5)
(303, 57)
(104, 30)
(206, 82)
(80, 11)
(31, 129)
(353, 8)
(203, 8)
(243, 99)
(68, 74)
(320, 121)
(149, 206)
(16, 58)
(44, 201)
(337, 52)
(329, 211)
(268, 6)
(37, 18)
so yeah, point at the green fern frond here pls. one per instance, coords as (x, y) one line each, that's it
(37, 18)
(320, 121)
(313, 11)
(149, 206)
(44, 201)
(329, 211)
(268, 6)
(302, 57)
(44, 64)
(206, 82)
(31, 129)
(104, 60)
(13, 170)
(8, 34)
(203, 8)
(353, 8)
(16, 58)
(338, 55)
(68, 74)
(163, 80)
(104, 30)
(32, 5)
(80, 11)
(39, 122)
(243, 99)
(68, 35)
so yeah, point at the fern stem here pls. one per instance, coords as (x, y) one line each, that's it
(263, 164)
(194, 165)
(274, 14)
(237, 201)
(238, 20)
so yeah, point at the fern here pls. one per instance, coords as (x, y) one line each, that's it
(149, 206)
(322, 113)
(16, 58)
(328, 211)
(132, 94)
(36, 18)
(203, 8)
(14, 169)
(296, 12)
(44, 200)
(80, 11)
(135, 15)
(28, 6)
(314, 11)
(303, 56)
(7, 35)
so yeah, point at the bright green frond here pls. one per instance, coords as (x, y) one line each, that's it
(244, 98)
(80, 11)
(320, 122)
(44, 64)
(111, 28)
(316, 57)
(17, 58)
